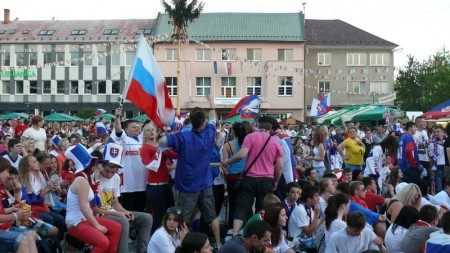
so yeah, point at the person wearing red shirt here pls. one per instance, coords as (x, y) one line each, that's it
(20, 128)
(372, 199)
(358, 193)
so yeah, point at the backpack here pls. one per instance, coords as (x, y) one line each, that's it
(49, 245)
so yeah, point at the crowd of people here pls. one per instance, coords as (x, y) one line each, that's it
(286, 189)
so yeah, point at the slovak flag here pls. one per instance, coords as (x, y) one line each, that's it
(99, 112)
(248, 107)
(147, 88)
(324, 98)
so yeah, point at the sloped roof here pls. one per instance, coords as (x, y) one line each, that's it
(339, 33)
(16, 31)
(240, 27)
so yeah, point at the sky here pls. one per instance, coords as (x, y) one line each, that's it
(419, 28)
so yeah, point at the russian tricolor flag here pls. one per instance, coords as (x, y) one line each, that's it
(99, 112)
(247, 107)
(147, 87)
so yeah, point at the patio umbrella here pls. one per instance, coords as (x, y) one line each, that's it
(141, 117)
(61, 117)
(439, 111)
(14, 115)
(106, 116)
(237, 118)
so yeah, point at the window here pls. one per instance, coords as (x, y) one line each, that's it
(253, 85)
(101, 58)
(78, 32)
(285, 54)
(115, 89)
(6, 61)
(203, 54)
(6, 89)
(228, 88)
(356, 87)
(102, 87)
(144, 31)
(324, 86)
(60, 87)
(25, 31)
(285, 86)
(88, 58)
(379, 87)
(33, 87)
(60, 58)
(379, 59)
(33, 58)
(356, 59)
(2, 31)
(115, 58)
(130, 58)
(74, 59)
(12, 32)
(171, 83)
(47, 32)
(111, 32)
(73, 87)
(87, 87)
(229, 54)
(47, 87)
(171, 54)
(19, 87)
(20, 59)
(254, 54)
(47, 57)
(203, 85)
(323, 59)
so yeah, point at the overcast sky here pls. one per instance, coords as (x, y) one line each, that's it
(419, 28)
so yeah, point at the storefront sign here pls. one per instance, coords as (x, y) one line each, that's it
(17, 73)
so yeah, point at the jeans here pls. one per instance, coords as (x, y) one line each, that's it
(142, 222)
(438, 178)
(161, 198)
(411, 175)
(87, 233)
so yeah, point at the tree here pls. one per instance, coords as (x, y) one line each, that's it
(421, 86)
(181, 14)
(85, 113)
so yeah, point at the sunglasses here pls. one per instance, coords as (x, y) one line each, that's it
(174, 210)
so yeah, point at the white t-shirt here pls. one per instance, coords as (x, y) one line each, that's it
(335, 225)
(162, 242)
(133, 172)
(341, 242)
(13, 162)
(443, 197)
(109, 189)
(282, 246)
(39, 137)
(393, 241)
(299, 219)
(421, 139)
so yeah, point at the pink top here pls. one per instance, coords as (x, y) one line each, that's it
(264, 165)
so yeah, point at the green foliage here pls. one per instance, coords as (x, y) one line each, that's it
(421, 86)
(181, 14)
(85, 113)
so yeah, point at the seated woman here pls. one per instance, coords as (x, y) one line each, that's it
(102, 234)
(276, 217)
(170, 234)
(408, 216)
(410, 195)
(194, 243)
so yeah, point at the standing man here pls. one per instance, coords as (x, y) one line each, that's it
(408, 157)
(436, 152)
(378, 135)
(193, 176)
(133, 174)
(421, 139)
(262, 177)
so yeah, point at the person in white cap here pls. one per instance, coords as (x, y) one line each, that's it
(111, 207)
(103, 234)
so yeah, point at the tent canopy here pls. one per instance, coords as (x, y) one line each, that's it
(439, 111)
(362, 113)
(141, 117)
(106, 116)
(237, 118)
(14, 115)
(61, 117)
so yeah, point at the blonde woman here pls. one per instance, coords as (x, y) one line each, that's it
(410, 195)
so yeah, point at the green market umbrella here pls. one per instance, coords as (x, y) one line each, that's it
(361, 113)
(14, 115)
(61, 117)
(333, 117)
(237, 118)
(106, 116)
(141, 117)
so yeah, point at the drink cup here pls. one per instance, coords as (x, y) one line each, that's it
(26, 208)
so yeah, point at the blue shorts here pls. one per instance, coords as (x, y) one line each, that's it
(10, 240)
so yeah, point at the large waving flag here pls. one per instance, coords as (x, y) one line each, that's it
(147, 89)
(248, 107)
(324, 98)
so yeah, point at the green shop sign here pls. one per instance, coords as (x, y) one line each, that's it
(17, 73)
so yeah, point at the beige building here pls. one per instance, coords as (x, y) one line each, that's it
(237, 54)
(352, 65)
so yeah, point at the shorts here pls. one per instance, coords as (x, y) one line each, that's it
(187, 201)
(10, 240)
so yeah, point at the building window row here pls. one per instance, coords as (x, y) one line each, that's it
(229, 54)
(59, 87)
(356, 59)
(358, 87)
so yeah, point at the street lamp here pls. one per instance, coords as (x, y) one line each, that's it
(373, 97)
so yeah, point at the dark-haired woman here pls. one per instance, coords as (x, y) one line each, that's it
(276, 216)
(396, 232)
(318, 153)
(335, 213)
(230, 148)
(194, 243)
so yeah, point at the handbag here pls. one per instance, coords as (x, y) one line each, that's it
(238, 181)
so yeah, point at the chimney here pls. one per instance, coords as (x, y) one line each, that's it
(6, 16)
